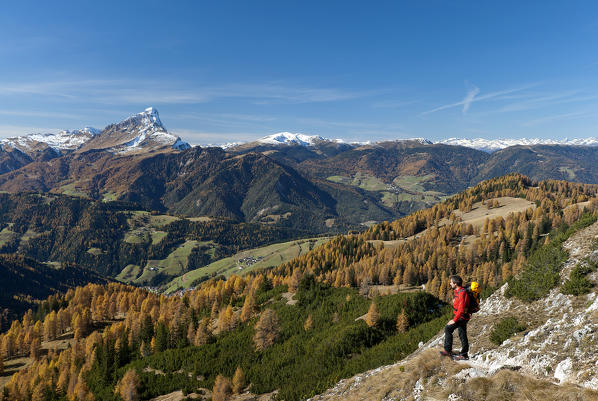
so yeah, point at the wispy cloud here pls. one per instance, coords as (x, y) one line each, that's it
(42, 114)
(214, 138)
(135, 92)
(390, 104)
(17, 130)
(557, 117)
(538, 101)
(354, 130)
(472, 96)
(223, 117)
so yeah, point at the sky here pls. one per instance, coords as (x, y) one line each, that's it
(231, 71)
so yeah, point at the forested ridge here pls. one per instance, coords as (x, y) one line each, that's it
(50, 243)
(430, 245)
(25, 281)
(63, 228)
(229, 334)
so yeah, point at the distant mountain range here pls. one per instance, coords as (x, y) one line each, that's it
(492, 145)
(486, 145)
(302, 181)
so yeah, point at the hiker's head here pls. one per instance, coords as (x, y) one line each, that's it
(456, 281)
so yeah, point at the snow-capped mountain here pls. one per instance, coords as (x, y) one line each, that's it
(289, 138)
(487, 145)
(286, 138)
(491, 145)
(140, 132)
(61, 141)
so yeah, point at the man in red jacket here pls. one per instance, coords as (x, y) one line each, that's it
(459, 321)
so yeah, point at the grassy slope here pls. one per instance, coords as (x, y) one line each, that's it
(404, 188)
(268, 256)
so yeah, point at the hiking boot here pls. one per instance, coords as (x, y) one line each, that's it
(446, 353)
(464, 357)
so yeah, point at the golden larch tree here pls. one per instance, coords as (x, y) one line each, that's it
(128, 385)
(309, 323)
(267, 330)
(402, 322)
(35, 348)
(372, 317)
(238, 381)
(248, 307)
(222, 389)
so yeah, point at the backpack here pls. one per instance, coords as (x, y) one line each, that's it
(473, 292)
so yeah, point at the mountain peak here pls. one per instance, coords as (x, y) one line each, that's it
(147, 119)
(140, 132)
(152, 114)
(282, 138)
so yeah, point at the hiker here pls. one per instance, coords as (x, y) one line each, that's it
(459, 321)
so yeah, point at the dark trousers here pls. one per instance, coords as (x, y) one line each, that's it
(448, 336)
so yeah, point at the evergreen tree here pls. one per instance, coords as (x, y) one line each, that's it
(161, 337)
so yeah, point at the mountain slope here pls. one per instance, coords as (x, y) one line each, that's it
(554, 359)
(202, 181)
(571, 163)
(327, 334)
(404, 175)
(25, 281)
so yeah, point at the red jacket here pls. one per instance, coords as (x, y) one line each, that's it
(460, 304)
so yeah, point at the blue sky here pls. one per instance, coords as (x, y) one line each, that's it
(236, 71)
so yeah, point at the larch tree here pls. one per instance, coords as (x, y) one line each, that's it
(372, 316)
(402, 322)
(190, 332)
(238, 381)
(309, 323)
(35, 348)
(144, 349)
(248, 307)
(222, 389)
(50, 326)
(38, 393)
(202, 334)
(128, 385)
(267, 330)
